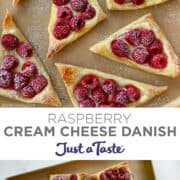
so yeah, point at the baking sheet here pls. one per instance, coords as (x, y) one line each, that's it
(142, 170)
(32, 17)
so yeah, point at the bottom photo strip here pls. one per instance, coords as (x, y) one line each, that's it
(97, 170)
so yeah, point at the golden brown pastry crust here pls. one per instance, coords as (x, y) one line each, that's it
(72, 75)
(119, 165)
(48, 95)
(130, 6)
(147, 21)
(79, 175)
(174, 103)
(56, 45)
(15, 2)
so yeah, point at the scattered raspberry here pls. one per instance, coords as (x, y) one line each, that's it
(29, 69)
(60, 2)
(120, 48)
(89, 13)
(133, 37)
(77, 23)
(39, 83)
(107, 105)
(20, 81)
(73, 177)
(140, 55)
(109, 86)
(79, 5)
(119, 1)
(61, 31)
(6, 79)
(159, 61)
(90, 81)
(80, 93)
(87, 103)
(99, 96)
(28, 92)
(156, 47)
(10, 62)
(121, 97)
(64, 15)
(9, 41)
(137, 2)
(24, 50)
(147, 37)
(133, 93)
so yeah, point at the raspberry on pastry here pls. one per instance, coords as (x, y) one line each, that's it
(74, 176)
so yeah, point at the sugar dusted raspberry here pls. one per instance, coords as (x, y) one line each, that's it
(137, 2)
(64, 14)
(90, 81)
(29, 69)
(99, 96)
(87, 103)
(156, 47)
(103, 176)
(20, 81)
(77, 23)
(57, 178)
(39, 83)
(159, 61)
(121, 97)
(133, 93)
(107, 105)
(140, 55)
(109, 86)
(60, 2)
(79, 5)
(6, 79)
(9, 41)
(61, 31)
(25, 50)
(120, 48)
(119, 1)
(10, 62)
(73, 177)
(28, 92)
(133, 37)
(147, 37)
(89, 13)
(80, 93)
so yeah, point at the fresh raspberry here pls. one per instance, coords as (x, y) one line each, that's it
(120, 48)
(73, 177)
(10, 62)
(103, 176)
(121, 97)
(28, 92)
(87, 103)
(25, 50)
(107, 105)
(77, 23)
(20, 81)
(39, 83)
(156, 47)
(79, 5)
(137, 2)
(113, 177)
(109, 172)
(80, 93)
(140, 55)
(119, 1)
(9, 41)
(60, 2)
(90, 81)
(64, 14)
(159, 61)
(61, 31)
(147, 37)
(109, 86)
(6, 79)
(99, 96)
(116, 171)
(29, 69)
(133, 93)
(89, 13)
(133, 37)
(122, 170)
